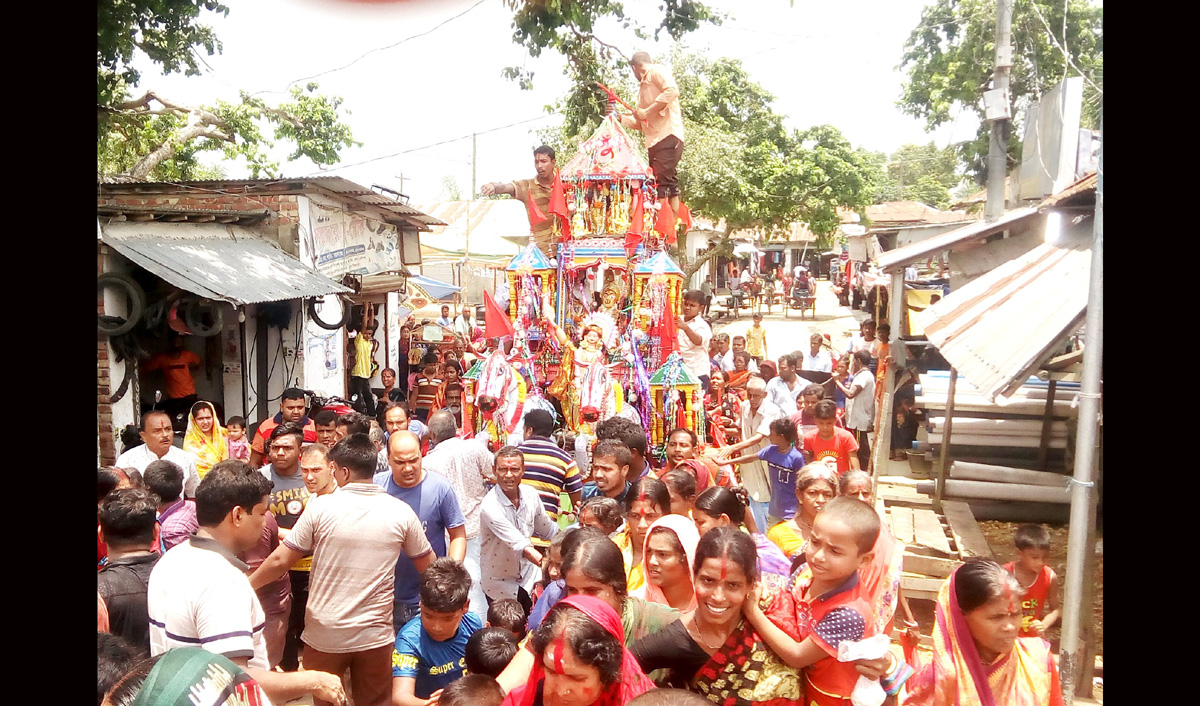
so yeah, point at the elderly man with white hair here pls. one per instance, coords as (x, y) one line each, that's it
(755, 417)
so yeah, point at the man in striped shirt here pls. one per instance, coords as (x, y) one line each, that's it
(548, 469)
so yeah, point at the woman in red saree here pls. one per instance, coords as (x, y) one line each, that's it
(580, 659)
(978, 660)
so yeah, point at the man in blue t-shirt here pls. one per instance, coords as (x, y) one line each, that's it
(431, 649)
(430, 496)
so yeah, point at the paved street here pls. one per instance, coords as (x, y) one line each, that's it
(785, 335)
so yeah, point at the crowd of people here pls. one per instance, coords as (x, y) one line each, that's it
(397, 559)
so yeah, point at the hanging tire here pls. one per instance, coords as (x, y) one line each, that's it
(193, 311)
(115, 325)
(329, 326)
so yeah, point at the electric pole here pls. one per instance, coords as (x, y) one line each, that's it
(472, 166)
(998, 111)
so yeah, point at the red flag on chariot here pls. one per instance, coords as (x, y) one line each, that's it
(495, 321)
(558, 206)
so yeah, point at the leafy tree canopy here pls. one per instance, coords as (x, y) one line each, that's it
(569, 28)
(154, 137)
(949, 57)
(922, 173)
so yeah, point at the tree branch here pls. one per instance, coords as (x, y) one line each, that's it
(194, 130)
(141, 106)
(594, 38)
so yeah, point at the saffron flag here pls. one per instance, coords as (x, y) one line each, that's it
(558, 206)
(685, 215)
(495, 321)
(665, 224)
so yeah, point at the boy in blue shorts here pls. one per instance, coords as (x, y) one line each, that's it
(431, 648)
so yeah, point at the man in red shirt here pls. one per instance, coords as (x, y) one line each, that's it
(291, 409)
(835, 447)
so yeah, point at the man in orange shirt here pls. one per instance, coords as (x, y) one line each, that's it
(659, 117)
(176, 365)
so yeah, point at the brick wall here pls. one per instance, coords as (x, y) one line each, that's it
(104, 408)
(285, 209)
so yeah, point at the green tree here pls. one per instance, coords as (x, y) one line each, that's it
(950, 55)
(569, 28)
(741, 164)
(154, 137)
(922, 173)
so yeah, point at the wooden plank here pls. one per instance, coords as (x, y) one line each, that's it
(902, 524)
(929, 532)
(965, 530)
(934, 567)
(920, 586)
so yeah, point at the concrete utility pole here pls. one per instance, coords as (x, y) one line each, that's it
(1080, 541)
(472, 167)
(997, 171)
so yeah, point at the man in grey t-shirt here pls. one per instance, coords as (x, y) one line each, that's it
(287, 501)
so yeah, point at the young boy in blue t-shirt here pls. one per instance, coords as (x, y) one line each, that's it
(431, 648)
(783, 461)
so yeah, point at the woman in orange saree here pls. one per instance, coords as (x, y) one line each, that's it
(978, 660)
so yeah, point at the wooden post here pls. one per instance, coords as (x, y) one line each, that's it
(1047, 421)
(940, 488)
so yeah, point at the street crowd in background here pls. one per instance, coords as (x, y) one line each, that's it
(394, 558)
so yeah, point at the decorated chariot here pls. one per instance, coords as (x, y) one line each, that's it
(593, 321)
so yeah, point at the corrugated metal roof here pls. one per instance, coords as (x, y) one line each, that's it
(335, 184)
(941, 242)
(996, 329)
(1087, 183)
(229, 263)
(485, 223)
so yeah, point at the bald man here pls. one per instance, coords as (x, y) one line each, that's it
(430, 496)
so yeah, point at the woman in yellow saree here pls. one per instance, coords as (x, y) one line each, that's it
(205, 437)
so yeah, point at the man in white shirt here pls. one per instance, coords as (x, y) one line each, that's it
(860, 404)
(817, 359)
(784, 389)
(355, 536)
(199, 596)
(755, 417)
(694, 334)
(509, 516)
(467, 464)
(157, 433)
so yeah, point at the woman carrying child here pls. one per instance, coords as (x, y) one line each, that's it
(712, 649)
